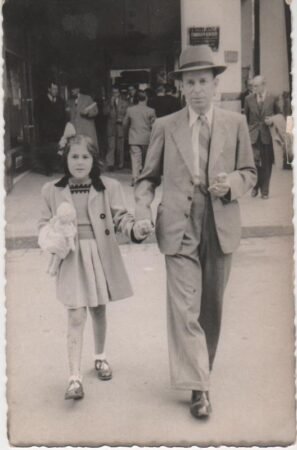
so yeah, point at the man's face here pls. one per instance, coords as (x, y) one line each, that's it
(131, 91)
(258, 86)
(74, 92)
(53, 90)
(199, 89)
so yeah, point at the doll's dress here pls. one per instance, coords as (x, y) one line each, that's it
(83, 270)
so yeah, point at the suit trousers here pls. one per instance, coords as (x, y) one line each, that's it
(264, 165)
(138, 154)
(115, 152)
(196, 280)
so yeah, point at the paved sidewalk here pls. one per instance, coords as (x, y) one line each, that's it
(252, 388)
(259, 217)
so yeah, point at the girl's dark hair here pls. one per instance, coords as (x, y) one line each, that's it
(86, 141)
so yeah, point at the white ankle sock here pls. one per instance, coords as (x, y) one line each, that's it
(100, 356)
(75, 378)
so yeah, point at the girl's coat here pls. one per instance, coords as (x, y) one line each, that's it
(108, 214)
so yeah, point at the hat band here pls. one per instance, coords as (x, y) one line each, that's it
(195, 64)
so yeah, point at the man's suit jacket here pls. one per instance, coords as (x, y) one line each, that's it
(82, 124)
(139, 119)
(256, 115)
(170, 153)
(115, 116)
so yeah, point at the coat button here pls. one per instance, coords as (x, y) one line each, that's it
(190, 198)
(107, 232)
(102, 216)
(186, 215)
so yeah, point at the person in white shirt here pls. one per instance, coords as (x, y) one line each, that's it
(205, 157)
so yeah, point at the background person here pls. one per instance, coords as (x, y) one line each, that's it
(138, 121)
(52, 120)
(115, 110)
(132, 95)
(259, 107)
(82, 110)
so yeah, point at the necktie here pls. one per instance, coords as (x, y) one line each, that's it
(204, 141)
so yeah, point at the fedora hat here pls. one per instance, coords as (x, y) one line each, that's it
(198, 57)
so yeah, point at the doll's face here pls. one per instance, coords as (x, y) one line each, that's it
(79, 162)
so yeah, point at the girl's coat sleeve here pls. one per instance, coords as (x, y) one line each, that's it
(46, 212)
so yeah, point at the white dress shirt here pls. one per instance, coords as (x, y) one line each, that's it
(194, 124)
(261, 97)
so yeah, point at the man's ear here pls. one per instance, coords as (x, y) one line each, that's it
(216, 81)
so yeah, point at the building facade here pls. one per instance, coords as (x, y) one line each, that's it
(131, 42)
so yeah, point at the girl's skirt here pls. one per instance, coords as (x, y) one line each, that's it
(81, 280)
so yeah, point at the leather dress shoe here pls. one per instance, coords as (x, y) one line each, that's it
(104, 371)
(254, 192)
(265, 196)
(200, 406)
(74, 391)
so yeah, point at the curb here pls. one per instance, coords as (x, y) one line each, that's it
(30, 242)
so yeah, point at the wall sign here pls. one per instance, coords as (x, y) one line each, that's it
(205, 35)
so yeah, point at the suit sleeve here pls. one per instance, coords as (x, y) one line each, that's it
(126, 122)
(244, 177)
(151, 175)
(46, 212)
(94, 110)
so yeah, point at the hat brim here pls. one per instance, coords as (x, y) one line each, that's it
(177, 74)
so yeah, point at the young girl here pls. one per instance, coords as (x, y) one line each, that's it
(94, 273)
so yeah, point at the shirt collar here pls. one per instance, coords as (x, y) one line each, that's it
(193, 116)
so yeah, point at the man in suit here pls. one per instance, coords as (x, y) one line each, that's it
(82, 110)
(139, 120)
(52, 120)
(115, 110)
(259, 107)
(205, 156)
(132, 95)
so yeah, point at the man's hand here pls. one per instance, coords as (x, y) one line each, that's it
(221, 185)
(268, 121)
(142, 229)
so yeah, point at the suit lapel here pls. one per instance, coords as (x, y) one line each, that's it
(218, 136)
(181, 133)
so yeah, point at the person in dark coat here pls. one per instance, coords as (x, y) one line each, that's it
(52, 120)
(164, 103)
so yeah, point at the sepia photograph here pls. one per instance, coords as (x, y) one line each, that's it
(149, 266)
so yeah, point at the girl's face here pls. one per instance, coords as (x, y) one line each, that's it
(79, 162)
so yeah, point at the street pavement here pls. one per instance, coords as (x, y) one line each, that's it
(252, 388)
(259, 217)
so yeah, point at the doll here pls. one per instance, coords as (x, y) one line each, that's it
(61, 225)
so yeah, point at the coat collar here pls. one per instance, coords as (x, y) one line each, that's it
(97, 183)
